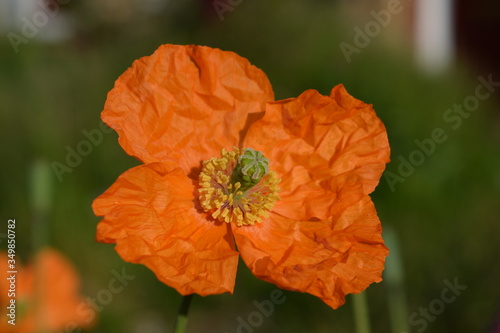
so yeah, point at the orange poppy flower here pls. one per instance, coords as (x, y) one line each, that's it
(46, 296)
(225, 165)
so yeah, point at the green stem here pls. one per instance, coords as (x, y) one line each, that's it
(41, 200)
(394, 280)
(361, 317)
(181, 320)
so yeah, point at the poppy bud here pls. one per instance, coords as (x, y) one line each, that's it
(251, 167)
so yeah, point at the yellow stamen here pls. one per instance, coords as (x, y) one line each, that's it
(230, 202)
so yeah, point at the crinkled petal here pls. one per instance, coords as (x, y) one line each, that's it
(313, 139)
(365, 147)
(328, 259)
(185, 103)
(302, 198)
(151, 214)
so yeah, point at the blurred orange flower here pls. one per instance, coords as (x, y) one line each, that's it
(295, 204)
(46, 296)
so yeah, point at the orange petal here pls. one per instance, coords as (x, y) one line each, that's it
(304, 198)
(328, 259)
(185, 103)
(150, 213)
(367, 142)
(47, 296)
(328, 136)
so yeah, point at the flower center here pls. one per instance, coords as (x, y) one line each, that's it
(238, 187)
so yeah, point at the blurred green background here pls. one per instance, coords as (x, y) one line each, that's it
(443, 220)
